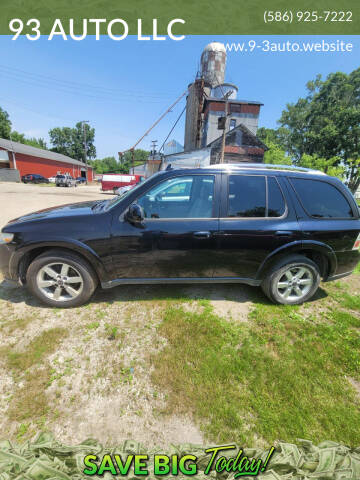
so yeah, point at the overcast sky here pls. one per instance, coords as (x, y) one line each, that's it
(123, 87)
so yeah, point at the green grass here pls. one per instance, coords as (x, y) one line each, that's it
(278, 376)
(32, 368)
(357, 269)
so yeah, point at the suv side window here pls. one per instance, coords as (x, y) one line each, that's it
(190, 196)
(276, 202)
(321, 199)
(255, 196)
(247, 196)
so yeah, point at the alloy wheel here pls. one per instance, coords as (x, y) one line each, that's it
(59, 281)
(295, 283)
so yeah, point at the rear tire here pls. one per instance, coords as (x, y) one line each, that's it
(292, 281)
(61, 279)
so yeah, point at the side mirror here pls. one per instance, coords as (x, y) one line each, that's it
(135, 213)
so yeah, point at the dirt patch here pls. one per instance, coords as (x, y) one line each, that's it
(232, 302)
(354, 383)
(96, 382)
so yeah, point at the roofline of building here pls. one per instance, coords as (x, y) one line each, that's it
(241, 102)
(243, 127)
(25, 149)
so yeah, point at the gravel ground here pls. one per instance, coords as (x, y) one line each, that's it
(18, 198)
(100, 371)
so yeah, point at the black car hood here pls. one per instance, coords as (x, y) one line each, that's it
(69, 210)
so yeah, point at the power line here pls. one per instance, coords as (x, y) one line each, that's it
(172, 129)
(23, 75)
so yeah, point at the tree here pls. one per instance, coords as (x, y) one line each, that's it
(271, 135)
(110, 165)
(276, 155)
(5, 124)
(140, 157)
(329, 166)
(34, 142)
(326, 123)
(70, 141)
(106, 165)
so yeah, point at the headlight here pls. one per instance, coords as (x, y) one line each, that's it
(6, 237)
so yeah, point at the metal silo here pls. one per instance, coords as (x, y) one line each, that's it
(213, 63)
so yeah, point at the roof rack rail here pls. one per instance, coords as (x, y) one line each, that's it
(266, 166)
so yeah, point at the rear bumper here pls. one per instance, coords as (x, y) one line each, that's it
(346, 263)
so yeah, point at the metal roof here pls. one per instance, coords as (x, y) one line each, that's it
(38, 152)
(243, 102)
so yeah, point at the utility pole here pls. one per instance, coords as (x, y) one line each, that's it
(83, 123)
(153, 148)
(226, 98)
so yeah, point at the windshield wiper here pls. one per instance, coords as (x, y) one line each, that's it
(98, 203)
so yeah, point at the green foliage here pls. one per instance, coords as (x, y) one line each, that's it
(140, 157)
(111, 165)
(105, 165)
(70, 141)
(5, 124)
(34, 142)
(276, 155)
(271, 135)
(326, 123)
(329, 166)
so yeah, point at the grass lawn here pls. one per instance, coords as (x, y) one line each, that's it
(154, 364)
(286, 373)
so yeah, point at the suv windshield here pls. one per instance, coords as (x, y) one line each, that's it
(119, 198)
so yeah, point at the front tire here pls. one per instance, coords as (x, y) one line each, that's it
(292, 281)
(61, 279)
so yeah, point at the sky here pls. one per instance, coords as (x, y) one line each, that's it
(121, 88)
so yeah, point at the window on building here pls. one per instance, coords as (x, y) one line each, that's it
(321, 200)
(232, 123)
(189, 196)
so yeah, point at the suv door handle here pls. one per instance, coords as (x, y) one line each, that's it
(202, 234)
(283, 233)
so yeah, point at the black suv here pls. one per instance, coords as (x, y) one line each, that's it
(279, 228)
(34, 178)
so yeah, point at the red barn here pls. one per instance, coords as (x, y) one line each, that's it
(25, 159)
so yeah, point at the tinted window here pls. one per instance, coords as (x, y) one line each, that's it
(276, 202)
(247, 196)
(181, 197)
(322, 200)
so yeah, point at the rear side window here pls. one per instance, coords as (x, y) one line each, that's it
(276, 202)
(321, 199)
(255, 196)
(247, 196)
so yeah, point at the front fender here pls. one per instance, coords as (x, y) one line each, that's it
(59, 242)
(297, 247)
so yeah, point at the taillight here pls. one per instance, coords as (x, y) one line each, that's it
(357, 243)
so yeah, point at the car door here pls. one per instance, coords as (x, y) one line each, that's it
(257, 218)
(177, 238)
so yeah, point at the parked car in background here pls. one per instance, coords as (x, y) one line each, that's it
(65, 180)
(52, 179)
(112, 181)
(34, 178)
(80, 180)
(281, 228)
